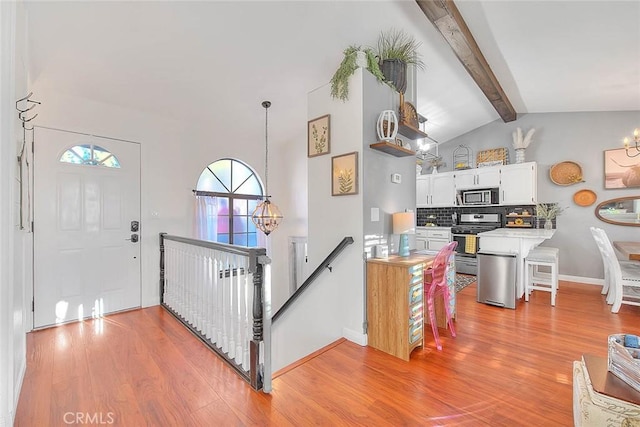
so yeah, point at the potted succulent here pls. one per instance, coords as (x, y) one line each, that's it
(353, 55)
(397, 49)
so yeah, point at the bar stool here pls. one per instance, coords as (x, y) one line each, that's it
(555, 252)
(537, 279)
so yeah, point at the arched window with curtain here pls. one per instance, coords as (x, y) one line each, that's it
(227, 193)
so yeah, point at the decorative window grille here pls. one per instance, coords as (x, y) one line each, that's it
(91, 155)
(238, 191)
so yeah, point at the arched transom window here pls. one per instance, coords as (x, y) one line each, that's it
(232, 191)
(89, 154)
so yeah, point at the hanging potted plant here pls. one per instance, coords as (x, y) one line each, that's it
(396, 50)
(354, 57)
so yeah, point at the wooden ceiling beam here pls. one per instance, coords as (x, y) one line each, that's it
(447, 19)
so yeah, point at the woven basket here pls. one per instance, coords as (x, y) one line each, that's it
(493, 155)
(566, 173)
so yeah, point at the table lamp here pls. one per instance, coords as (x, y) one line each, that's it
(404, 223)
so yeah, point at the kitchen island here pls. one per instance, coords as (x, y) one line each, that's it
(514, 241)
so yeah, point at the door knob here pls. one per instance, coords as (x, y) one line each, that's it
(133, 238)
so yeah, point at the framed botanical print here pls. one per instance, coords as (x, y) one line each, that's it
(620, 171)
(344, 174)
(319, 136)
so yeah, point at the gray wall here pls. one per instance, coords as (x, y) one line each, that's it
(579, 137)
(379, 191)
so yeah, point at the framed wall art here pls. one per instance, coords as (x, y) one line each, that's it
(344, 174)
(620, 171)
(319, 136)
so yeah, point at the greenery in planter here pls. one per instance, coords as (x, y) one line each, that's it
(348, 66)
(548, 211)
(396, 44)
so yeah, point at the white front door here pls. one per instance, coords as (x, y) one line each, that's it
(86, 263)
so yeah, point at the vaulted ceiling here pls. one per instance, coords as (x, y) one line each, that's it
(210, 62)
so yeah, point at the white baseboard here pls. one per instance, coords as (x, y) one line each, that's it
(355, 337)
(18, 385)
(579, 279)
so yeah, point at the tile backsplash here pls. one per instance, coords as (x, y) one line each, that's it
(442, 216)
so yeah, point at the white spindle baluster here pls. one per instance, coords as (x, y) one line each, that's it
(212, 290)
(217, 297)
(183, 283)
(241, 320)
(180, 280)
(246, 317)
(166, 296)
(200, 287)
(175, 265)
(232, 307)
(186, 267)
(192, 287)
(249, 327)
(207, 299)
(225, 306)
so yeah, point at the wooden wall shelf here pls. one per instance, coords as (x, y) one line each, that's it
(393, 149)
(410, 132)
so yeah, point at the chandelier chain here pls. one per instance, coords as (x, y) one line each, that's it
(266, 151)
(266, 105)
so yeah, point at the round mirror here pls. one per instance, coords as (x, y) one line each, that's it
(621, 211)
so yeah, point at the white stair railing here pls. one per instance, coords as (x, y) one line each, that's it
(218, 292)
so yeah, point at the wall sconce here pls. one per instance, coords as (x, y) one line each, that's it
(404, 223)
(636, 140)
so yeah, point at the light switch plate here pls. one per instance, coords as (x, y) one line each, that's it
(396, 178)
(375, 214)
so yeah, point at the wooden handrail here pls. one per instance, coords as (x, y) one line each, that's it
(324, 264)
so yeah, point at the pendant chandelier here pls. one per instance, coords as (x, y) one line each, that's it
(266, 216)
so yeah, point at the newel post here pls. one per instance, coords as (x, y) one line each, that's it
(162, 278)
(258, 307)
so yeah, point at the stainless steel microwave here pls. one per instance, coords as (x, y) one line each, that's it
(486, 196)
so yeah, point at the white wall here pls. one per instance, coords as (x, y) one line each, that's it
(173, 155)
(332, 307)
(12, 242)
(579, 137)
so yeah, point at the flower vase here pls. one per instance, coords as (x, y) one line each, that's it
(548, 224)
(519, 155)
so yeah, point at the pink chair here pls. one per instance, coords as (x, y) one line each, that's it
(438, 286)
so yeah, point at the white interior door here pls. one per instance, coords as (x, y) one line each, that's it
(86, 263)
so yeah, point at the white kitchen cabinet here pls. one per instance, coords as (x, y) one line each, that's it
(485, 177)
(423, 191)
(442, 190)
(432, 238)
(518, 184)
(435, 190)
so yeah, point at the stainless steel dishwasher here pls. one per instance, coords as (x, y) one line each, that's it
(497, 279)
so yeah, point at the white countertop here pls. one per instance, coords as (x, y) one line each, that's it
(536, 233)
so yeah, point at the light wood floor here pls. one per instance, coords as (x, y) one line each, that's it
(505, 368)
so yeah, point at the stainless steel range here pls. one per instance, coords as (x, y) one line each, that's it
(468, 243)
